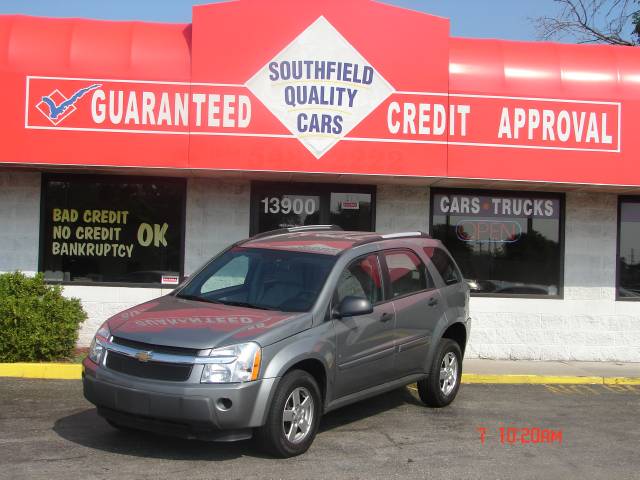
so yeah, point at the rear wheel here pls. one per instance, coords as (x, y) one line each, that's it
(440, 388)
(293, 417)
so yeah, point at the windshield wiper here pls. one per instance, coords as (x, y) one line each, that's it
(196, 298)
(245, 304)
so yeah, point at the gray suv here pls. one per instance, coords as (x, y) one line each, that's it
(281, 328)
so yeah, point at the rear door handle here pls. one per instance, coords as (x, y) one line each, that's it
(386, 317)
(433, 301)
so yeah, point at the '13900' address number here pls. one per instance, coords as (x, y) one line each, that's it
(287, 205)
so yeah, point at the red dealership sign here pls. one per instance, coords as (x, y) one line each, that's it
(320, 93)
(209, 109)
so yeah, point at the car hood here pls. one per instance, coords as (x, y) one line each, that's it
(175, 322)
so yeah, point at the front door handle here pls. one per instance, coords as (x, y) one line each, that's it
(386, 317)
(433, 301)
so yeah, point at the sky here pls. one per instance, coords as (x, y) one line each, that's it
(507, 19)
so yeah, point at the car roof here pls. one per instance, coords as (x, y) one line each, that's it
(327, 242)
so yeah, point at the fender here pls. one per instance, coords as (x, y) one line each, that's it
(316, 343)
(437, 334)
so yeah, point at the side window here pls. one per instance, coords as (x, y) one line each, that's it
(361, 279)
(232, 274)
(407, 273)
(444, 265)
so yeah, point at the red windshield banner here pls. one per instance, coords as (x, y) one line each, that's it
(322, 94)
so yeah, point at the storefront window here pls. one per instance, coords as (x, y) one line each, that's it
(352, 211)
(112, 229)
(629, 249)
(277, 205)
(505, 243)
(286, 210)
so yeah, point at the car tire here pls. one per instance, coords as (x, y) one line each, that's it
(292, 423)
(440, 388)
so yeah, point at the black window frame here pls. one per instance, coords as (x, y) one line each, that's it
(621, 200)
(388, 294)
(322, 190)
(452, 262)
(522, 194)
(383, 279)
(95, 178)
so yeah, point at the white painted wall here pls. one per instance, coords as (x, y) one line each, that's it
(401, 208)
(100, 303)
(588, 324)
(217, 215)
(20, 220)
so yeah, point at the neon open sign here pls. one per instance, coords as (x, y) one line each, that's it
(488, 231)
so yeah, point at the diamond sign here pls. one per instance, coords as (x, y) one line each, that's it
(319, 87)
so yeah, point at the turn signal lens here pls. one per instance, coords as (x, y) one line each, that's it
(256, 364)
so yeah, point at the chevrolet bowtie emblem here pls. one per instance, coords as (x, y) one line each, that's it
(144, 356)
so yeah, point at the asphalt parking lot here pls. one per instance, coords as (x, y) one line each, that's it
(48, 431)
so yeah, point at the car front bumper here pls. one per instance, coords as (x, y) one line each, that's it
(222, 412)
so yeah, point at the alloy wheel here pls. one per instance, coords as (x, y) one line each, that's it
(448, 373)
(297, 416)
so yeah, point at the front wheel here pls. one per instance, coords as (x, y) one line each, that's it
(293, 417)
(440, 388)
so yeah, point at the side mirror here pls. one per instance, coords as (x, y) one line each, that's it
(353, 306)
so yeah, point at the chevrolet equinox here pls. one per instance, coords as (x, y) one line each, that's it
(281, 328)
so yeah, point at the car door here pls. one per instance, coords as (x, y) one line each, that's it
(454, 290)
(364, 343)
(418, 306)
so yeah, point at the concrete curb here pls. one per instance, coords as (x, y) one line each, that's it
(73, 371)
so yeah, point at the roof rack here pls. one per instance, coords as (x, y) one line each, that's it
(385, 236)
(405, 235)
(303, 228)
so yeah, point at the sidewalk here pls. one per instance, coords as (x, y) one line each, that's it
(526, 371)
(475, 371)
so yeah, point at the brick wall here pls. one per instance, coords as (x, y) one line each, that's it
(588, 324)
(401, 208)
(217, 215)
(20, 220)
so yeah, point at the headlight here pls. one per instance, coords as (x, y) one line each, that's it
(232, 364)
(97, 349)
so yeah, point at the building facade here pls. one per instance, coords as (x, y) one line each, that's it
(134, 152)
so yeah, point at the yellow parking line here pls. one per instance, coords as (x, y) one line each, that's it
(476, 378)
(62, 371)
(73, 371)
(529, 379)
(621, 381)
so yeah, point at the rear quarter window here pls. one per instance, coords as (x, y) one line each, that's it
(407, 273)
(444, 264)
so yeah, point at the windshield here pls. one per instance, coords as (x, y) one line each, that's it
(260, 278)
